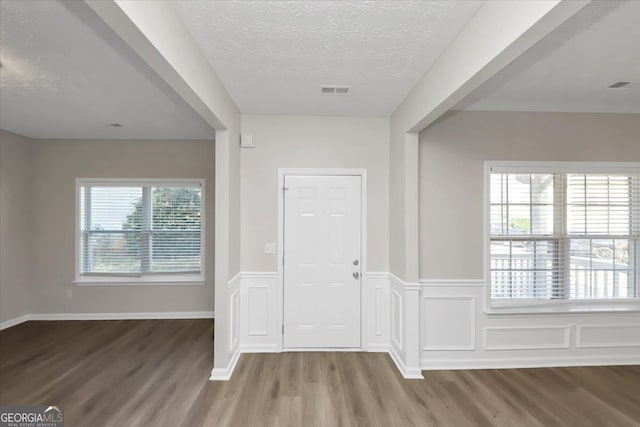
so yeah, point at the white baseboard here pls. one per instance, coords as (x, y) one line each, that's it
(224, 374)
(15, 321)
(109, 316)
(407, 373)
(260, 348)
(125, 316)
(378, 348)
(534, 362)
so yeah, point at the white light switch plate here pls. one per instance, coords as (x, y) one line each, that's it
(269, 248)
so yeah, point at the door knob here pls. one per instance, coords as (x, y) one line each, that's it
(356, 275)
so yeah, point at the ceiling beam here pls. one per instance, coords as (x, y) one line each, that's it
(498, 33)
(156, 33)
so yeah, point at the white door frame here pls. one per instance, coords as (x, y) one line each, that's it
(362, 173)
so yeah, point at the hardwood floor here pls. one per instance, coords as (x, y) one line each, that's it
(155, 372)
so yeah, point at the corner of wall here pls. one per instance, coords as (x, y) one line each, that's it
(16, 210)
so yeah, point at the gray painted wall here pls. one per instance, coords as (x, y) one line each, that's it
(16, 237)
(311, 142)
(40, 182)
(452, 155)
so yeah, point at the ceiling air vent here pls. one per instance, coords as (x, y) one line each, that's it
(335, 90)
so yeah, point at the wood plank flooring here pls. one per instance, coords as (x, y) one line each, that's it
(155, 373)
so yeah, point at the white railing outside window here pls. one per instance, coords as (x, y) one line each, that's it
(563, 231)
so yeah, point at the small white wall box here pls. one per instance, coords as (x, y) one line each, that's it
(247, 141)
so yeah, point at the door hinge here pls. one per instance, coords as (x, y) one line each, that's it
(285, 188)
(283, 329)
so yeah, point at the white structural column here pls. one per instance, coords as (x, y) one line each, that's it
(496, 35)
(222, 335)
(155, 32)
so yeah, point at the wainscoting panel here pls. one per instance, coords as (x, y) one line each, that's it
(234, 324)
(443, 325)
(448, 322)
(405, 326)
(396, 320)
(596, 336)
(377, 312)
(261, 319)
(261, 312)
(453, 316)
(526, 337)
(258, 310)
(224, 374)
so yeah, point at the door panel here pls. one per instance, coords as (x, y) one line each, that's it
(322, 233)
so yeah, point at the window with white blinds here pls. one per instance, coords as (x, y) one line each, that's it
(140, 228)
(557, 232)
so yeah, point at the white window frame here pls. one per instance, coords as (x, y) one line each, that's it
(147, 279)
(540, 306)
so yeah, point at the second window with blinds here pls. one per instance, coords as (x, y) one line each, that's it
(563, 231)
(140, 231)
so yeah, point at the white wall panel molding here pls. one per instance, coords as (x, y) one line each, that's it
(412, 332)
(407, 286)
(259, 275)
(234, 324)
(603, 336)
(526, 337)
(234, 281)
(583, 316)
(448, 322)
(452, 363)
(396, 321)
(233, 351)
(425, 283)
(405, 326)
(452, 316)
(377, 311)
(257, 310)
(260, 312)
(378, 275)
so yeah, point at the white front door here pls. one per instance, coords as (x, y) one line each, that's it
(322, 234)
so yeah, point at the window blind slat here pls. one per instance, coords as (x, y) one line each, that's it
(564, 235)
(140, 229)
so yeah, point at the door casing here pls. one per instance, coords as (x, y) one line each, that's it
(362, 173)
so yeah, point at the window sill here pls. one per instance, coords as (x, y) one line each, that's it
(580, 307)
(176, 280)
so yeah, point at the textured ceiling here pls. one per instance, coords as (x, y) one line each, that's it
(570, 69)
(273, 56)
(66, 75)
